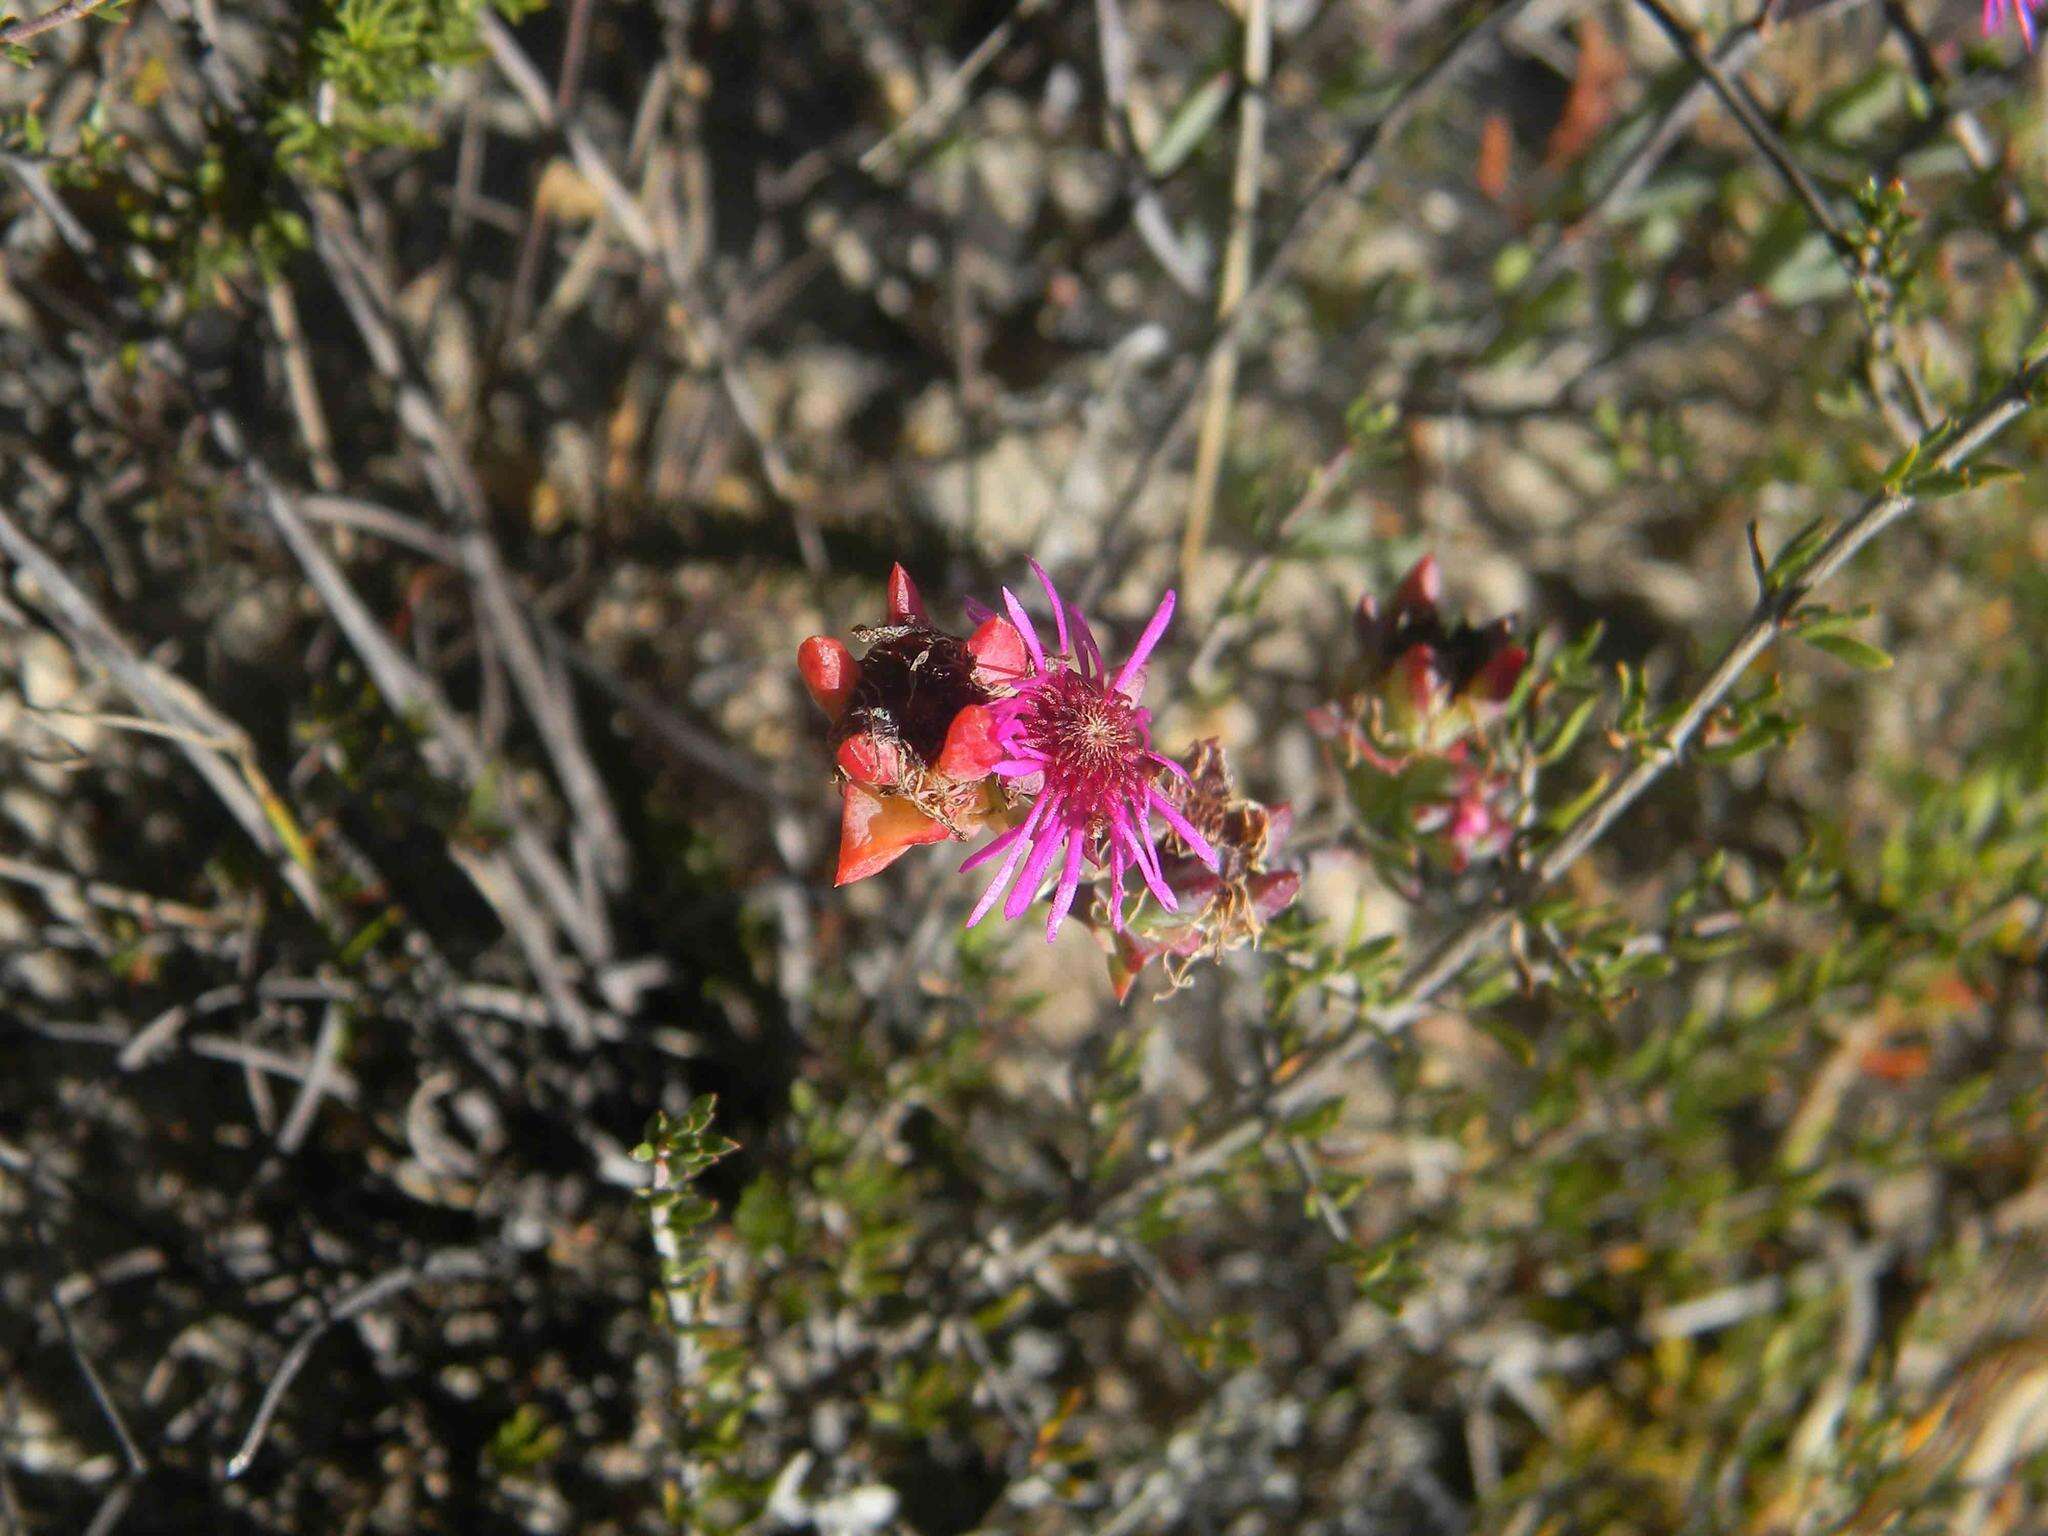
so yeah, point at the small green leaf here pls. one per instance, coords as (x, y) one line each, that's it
(1567, 733)
(1314, 1123)
(1189, 126)
(1560, 817)
(1798, 556)
(1857, 653)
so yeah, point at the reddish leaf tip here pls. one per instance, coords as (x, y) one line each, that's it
(905, 605)
(829, 672)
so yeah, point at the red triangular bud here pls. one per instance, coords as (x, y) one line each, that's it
(1126, 959)
(877, 830)
(829, 672)
(1418, 671)
(905, 606)
(1367, 622)
(1421, 589)
(868, 760)
(998, 652)
(1497, 679)
(970, 749)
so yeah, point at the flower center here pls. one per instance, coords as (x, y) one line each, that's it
(1093, 737)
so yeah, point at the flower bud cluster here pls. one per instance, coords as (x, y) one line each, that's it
(1412, 729)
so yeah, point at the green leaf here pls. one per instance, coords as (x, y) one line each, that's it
(1857, 653)
(1568, 732)
(1189, 126)
(1316, 1122)
(1797, 557)
(1769, 731)
(1560, 817)
(1937, 484)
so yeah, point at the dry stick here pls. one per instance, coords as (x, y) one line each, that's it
(1350, 177)
(135, 1465)
(1237, 271)
(1320, 1065)
(597, 830)
(951, 94)
(703, 332)
(526, 272)
(455, 1264)
(70, 10)
(448, 747)
(737, 769)
(153, 911)
(1148, 213)
(230, 772)
(460, 494)
(319, 1073)
(300, 383)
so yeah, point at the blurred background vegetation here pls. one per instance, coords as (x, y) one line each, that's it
(427, 429)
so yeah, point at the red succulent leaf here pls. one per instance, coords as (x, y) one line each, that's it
(998, 652)
(971, 749)
(905, 605)
(867, 759)
(1274, 891)
(829, 672)
(1419, 672)
(877, 830)
(1420, 590)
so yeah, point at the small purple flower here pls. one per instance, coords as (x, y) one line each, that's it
(1081, 735)
(1998, 12)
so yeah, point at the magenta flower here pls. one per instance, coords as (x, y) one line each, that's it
(1998, 12)
(1083, 737)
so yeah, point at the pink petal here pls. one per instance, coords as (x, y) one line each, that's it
(1004, 840)
(1170, 814)
(1025, 891)
(1161, 617)
(1063, 896)
(1022, 620)
(995, 886)
(1059, 609)
(1087, 652)
(1146, 857)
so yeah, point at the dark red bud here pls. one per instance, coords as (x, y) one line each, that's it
(1419, 672)
(905, 606)
(1497, 679)
(1420, 590)
(1273, 892)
